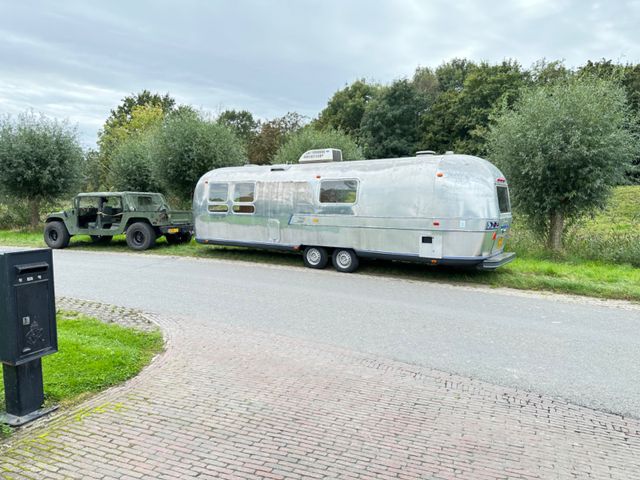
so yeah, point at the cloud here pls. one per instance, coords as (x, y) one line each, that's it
(77, 59)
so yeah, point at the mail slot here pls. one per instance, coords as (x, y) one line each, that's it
(27, 310)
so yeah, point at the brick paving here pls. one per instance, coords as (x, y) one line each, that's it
(227, 403)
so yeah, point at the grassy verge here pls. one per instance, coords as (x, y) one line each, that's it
(92, 356)
(531, 271)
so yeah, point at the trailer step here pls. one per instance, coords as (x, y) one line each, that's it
(496, 261)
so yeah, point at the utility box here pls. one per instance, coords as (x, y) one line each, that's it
(27, 306)
(27, 330)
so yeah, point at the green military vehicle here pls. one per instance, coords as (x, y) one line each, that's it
(142, 216)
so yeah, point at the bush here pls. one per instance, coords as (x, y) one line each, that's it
(310, 139)
(187, 146)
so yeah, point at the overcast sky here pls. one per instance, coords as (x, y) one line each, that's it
(76, 59)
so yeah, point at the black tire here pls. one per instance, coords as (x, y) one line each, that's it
(315, 257)
(56, 235)
(345, 260)
(101, 238)
(140, 236)
(185, 237)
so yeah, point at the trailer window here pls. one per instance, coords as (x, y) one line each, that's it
(338, 191)
(243, 198)
(244, 192)
(218, 192)
(503, 199)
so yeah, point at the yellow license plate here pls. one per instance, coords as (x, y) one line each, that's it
(176, 230)
(500, 242)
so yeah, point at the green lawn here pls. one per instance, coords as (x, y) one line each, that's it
(92, 356)
(531, 271)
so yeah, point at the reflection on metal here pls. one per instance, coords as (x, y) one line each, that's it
(452, 199)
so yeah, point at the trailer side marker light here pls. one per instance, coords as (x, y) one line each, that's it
(439, 174)
(433, 262)
(318, 176)
(501, 180)
(315, 220)
(436, 224)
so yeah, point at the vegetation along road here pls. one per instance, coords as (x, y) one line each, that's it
(585, 351)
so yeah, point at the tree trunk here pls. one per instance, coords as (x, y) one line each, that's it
(34, 213)
(556, 229)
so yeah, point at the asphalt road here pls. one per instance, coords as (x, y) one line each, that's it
(585, 352)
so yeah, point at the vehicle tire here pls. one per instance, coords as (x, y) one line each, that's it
(185, 237)
(345, 260)
(101, 238)
(315, 257)
(140, 236)
(56, 235)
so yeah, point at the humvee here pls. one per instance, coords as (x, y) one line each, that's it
(142, 216)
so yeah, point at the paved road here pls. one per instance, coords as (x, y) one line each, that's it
(579, 351)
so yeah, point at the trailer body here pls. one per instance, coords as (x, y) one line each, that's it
(438, 209)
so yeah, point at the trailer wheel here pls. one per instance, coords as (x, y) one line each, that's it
(345, 260)
(140, 236)
(56, 235)
(315, 257)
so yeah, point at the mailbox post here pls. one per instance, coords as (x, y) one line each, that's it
(27, 330)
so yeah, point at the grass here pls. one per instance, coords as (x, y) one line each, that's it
(92, 356)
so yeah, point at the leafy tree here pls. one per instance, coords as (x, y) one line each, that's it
(187, 146)
(390, 125)
(346, 107)
(629, 77)
(452, 74)
(459, 119)
(132, 167)
(563, 147)
(310, 138)
(40, 159)
(241, 122)
(273, 134)
(426, 83)
(135, 114)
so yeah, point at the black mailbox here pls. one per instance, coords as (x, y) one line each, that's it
(27, 310)
(27, 330)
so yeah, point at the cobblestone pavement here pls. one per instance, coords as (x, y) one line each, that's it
(107, 313)
(226, 402)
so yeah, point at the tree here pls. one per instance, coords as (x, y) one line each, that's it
(187, 146)
(310, 138)
(132, 167)
(390, 125)
(629, 77)
(135, 114)
(273, 134)
(563, 146)
(40, 159)
(452, 74)
(241, 122)
(345, 109)
(459, 119)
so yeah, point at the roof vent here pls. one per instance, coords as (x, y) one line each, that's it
(321, 156)
(425, 152)
(449, 152)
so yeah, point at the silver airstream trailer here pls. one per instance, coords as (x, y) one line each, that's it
(438, 209)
